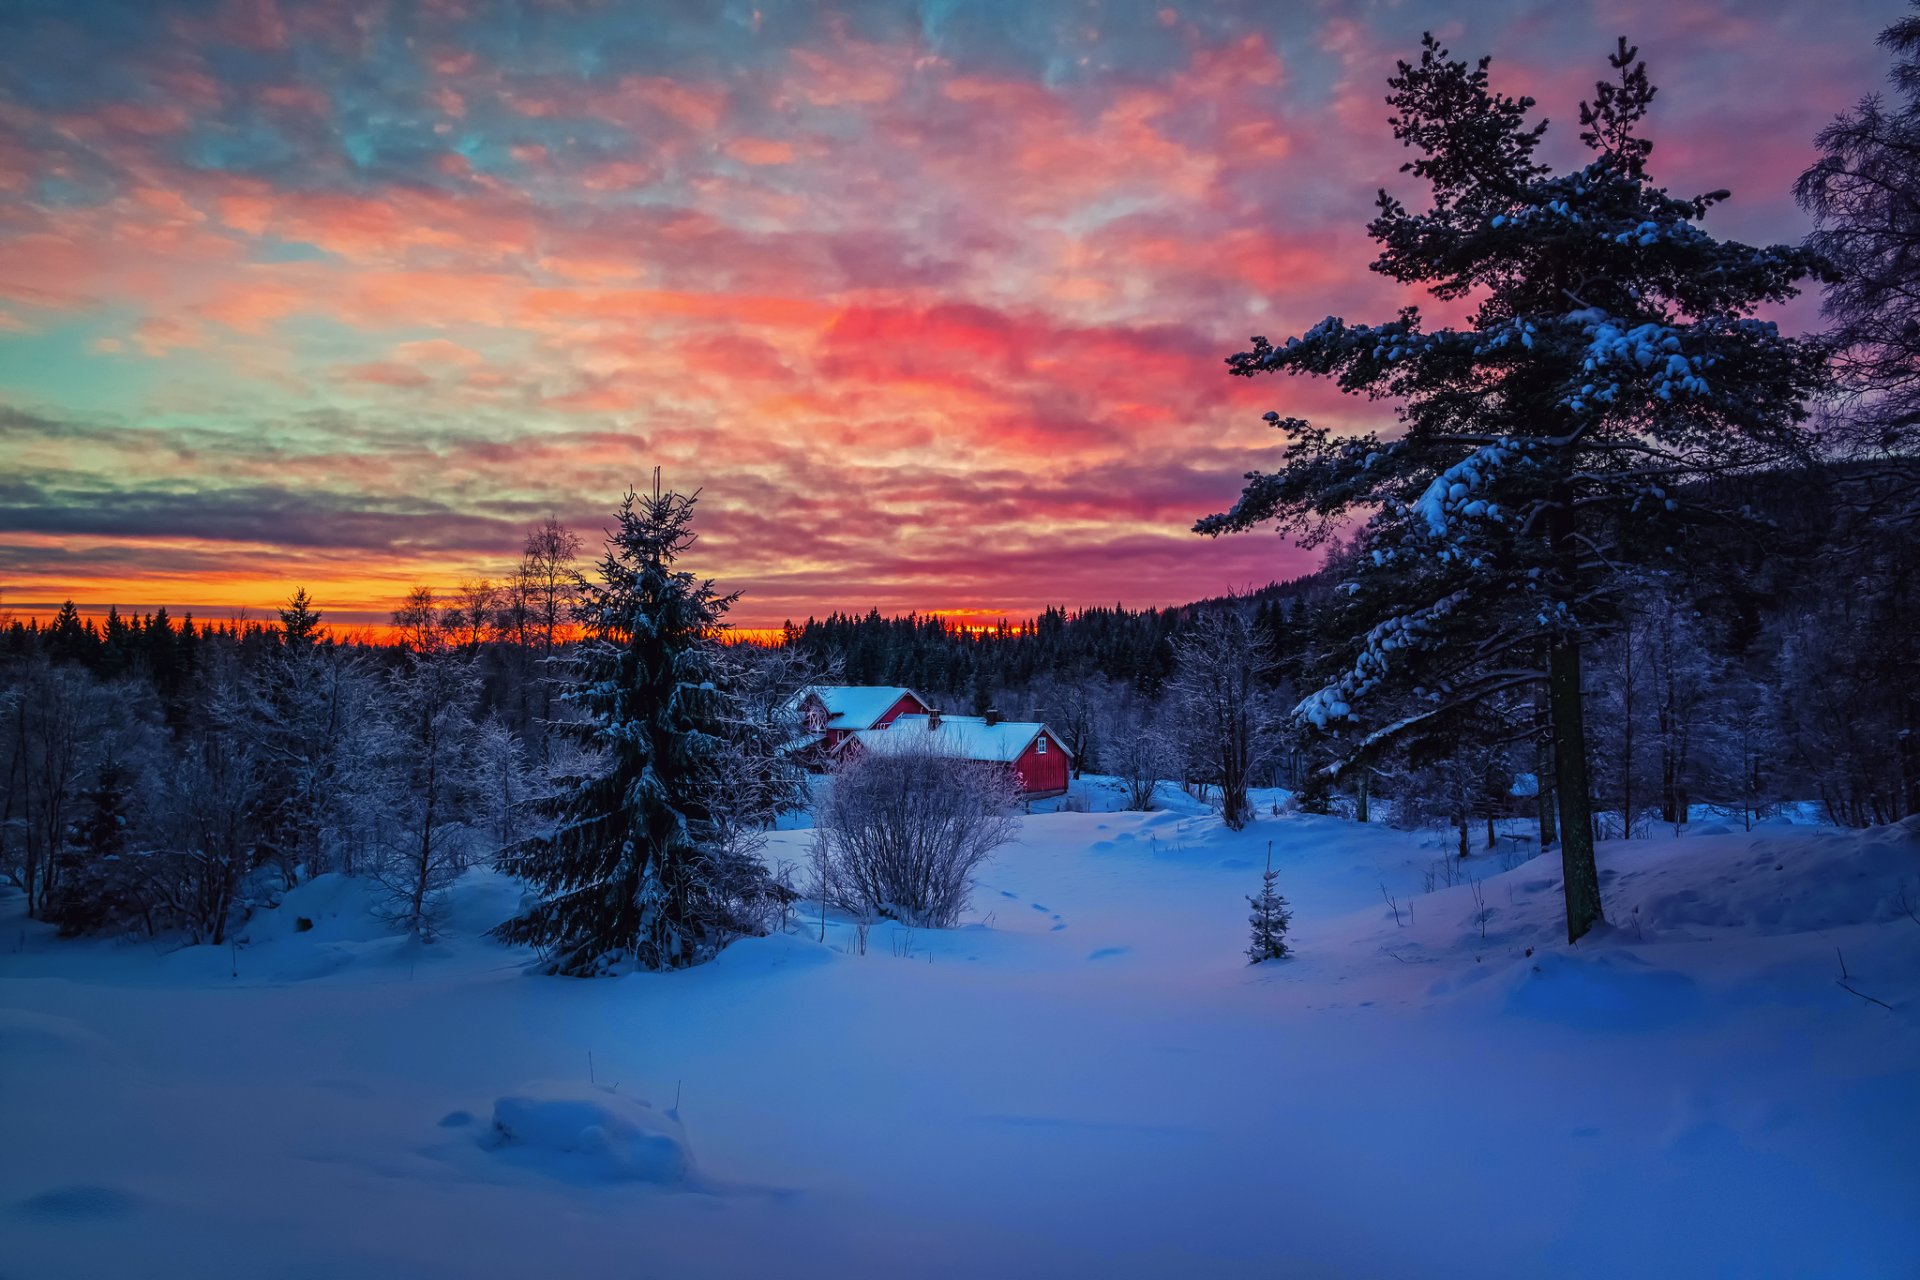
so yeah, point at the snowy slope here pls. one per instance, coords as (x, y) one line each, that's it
(1084, 1080)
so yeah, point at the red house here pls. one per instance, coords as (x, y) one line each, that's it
(832, 712)
(1039, 761)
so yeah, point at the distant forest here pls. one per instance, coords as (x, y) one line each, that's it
(1810, 638)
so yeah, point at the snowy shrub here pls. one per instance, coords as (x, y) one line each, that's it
(591, 1130)
(903, 828)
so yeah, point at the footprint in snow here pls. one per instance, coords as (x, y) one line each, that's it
(1005, 894)
(1037, 907)
(1108, 953)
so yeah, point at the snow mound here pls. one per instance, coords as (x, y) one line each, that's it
(1611, 989)
(327, 908)
(1776, 883)
(479, 900)
(773, 952)
(24, 1032)
(591, 1132)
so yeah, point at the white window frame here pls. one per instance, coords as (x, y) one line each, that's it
(1042, 748)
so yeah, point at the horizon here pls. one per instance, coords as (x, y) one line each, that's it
(381, 627)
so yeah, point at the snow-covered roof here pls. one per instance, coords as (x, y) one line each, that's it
(969, 737)
(857, 706)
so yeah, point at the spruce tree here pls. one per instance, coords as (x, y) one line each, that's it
(1555, 445)
(299, 620)
(98, 887)
(1270, 917)
(625, 876)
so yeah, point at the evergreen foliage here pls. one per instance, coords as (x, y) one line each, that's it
(1270, 918)
(1554, 447)
(624, 874)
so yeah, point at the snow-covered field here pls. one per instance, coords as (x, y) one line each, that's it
(1085, 1080)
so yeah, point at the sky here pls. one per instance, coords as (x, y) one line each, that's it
(930, 301)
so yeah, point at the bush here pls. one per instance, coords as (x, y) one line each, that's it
(904, 827)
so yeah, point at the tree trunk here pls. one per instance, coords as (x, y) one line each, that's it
(1580, 872)
(1629, 678)
(1543, 766)
(1360, 791)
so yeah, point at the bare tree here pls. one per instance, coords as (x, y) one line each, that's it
(213, 806)
(420, 623)
(1864, 195)
(1220, 689)
(550, 579)
(905, 826)
(1138, 752)
(1070, 705)
(505, 785)
(473, 614)
(433, 758)
(542, 598)
(57, 725)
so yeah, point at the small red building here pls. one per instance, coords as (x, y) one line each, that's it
(1039, 761)
(834, 712)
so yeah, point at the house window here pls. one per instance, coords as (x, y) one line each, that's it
(1042, 748)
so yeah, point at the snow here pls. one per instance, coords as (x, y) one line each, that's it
(1084, 1079)
(969, 737)
(1453, 492)
(588, 1129)
(1375, 660)
(858, 706)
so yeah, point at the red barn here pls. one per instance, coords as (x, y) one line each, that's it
(833, 712)
(1039, 761)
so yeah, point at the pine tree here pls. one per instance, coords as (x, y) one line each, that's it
(1270, 917)
(299, 620)
(98, 888)
(1558, 440)
(309, 707)
(625, 875)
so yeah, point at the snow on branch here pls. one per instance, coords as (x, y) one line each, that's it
(1399, 634)
(1459, 491)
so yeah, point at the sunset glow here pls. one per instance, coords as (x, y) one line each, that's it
(930, 302)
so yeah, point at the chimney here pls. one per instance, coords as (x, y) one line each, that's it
(933, 719)
(993, 715)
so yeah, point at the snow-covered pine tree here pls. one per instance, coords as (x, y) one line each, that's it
(1270, 917)
(1610, 366)
(624, 875)
(309, 712)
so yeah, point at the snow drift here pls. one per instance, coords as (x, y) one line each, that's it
(591, 1131)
